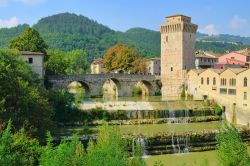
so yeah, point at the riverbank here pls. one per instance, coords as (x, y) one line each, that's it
(208, 158)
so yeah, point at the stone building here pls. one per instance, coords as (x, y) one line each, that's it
(177, 53)
(36, 61)
(97, 66)
(204, 60)
(228, 87)
(153, 66)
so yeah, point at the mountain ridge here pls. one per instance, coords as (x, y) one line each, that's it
(69, 31)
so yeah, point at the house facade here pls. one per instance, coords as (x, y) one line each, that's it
(153, 66)
(204, 60)
(97, 66)
(232, 59)
(36, 61)
(228, 87)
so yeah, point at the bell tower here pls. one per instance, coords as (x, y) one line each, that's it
(177, 53)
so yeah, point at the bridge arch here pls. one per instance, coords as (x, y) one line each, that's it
(112, 87)
(77, 87)
(146, 88)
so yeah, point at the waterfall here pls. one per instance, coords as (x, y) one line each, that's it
(133, 147)
(223, 116)
(142, 142)
(179, 142)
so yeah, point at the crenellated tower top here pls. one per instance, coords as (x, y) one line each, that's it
(177, 23)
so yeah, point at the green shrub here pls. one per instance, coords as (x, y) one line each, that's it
(218, 110)
(183, 93)
(137, 91)
(231, 149)
(119, 115)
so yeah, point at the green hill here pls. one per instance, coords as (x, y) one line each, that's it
(68, 31)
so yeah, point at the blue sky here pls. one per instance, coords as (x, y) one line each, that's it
(212, 16)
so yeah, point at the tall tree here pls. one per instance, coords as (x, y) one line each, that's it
(120, 57)
(56, 63)
(29, 40)
(60, 62)
(21, 97)
(78, 63)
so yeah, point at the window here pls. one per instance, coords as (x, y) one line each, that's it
(207, 81)
(223, 91)
(245, 82)
(223, 82)
(233, 58)
(171, 69)
(245, 96)
(214, 81)
(232, 91)
(202, 80)
(166, 38)
(30, 60)
(232, 82)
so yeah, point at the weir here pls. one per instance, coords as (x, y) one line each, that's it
(163, 127)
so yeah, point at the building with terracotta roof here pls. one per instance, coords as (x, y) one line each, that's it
(228, 87)
(232, 59)
(36, 61)
(204, 60)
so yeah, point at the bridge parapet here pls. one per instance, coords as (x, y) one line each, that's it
(94, 82)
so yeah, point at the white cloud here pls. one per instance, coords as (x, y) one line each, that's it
(209, 29)
(31, 2)
(13, 21)
(3, 3)
(237, 22)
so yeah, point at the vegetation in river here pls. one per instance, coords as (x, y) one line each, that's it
(137, 91)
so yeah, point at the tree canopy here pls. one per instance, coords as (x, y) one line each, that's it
(72, 62)
(120, 57)
(22, 99)
(29, 40)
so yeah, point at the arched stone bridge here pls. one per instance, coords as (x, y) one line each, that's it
(123, 84)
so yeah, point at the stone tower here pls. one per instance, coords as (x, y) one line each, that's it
(177, 53)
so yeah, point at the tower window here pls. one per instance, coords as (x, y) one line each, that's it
(166, 38)
(30, 60)
(171, 69)
(202, 80)
(207, 80)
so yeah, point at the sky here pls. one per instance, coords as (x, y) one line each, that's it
(212, 16)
